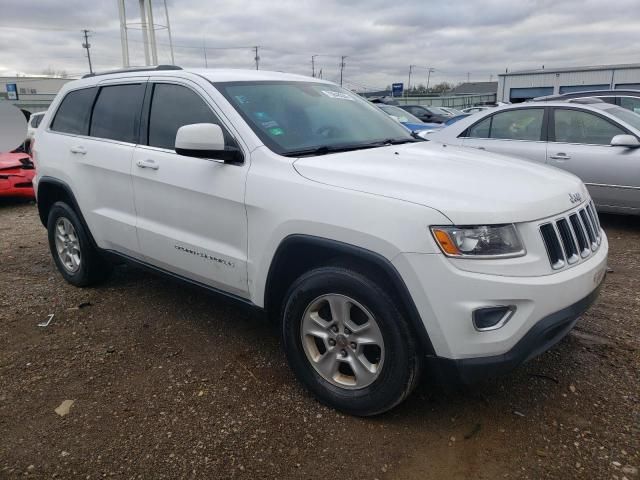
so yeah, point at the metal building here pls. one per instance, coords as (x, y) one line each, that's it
(526, 84)
(33, 94)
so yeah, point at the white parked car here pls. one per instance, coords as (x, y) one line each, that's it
(379, 254)
(34, 121)
(475, 109)
(594, 140)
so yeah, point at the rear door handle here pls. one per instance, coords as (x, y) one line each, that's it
(79, 149)
(560, 156)
(481, 148)
(148, 163)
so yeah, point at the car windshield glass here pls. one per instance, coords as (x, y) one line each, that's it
(292, 117)
(623, 114)
(400, 114)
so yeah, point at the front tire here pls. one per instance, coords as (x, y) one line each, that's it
(73, 253)
(348, 343)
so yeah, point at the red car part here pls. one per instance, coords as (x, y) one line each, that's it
(16, 175)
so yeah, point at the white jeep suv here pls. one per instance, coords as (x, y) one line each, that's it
(380, 254)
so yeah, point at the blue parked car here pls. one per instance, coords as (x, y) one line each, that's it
(405, 118)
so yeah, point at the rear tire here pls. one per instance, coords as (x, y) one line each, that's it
(348, 343)
(77, 259)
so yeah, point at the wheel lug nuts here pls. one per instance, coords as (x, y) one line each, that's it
(353, 345)
(347, 331)
(334, 329)
(343, 353)
(332, 342)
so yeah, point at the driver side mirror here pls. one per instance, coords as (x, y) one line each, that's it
(205, 140)
(629, 141)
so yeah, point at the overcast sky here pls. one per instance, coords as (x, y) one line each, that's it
(380, 38)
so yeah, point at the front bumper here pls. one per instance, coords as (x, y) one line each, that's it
(17, 183)
(546, 307)
(544, 335)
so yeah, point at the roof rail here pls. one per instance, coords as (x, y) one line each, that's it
(135, 69)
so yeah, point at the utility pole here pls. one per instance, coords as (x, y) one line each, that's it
(342, 65)
(429, 72)
(320, 74)
(313, 65)
(87, 45)
(257, 57)
(204, 49)
(468, 75)
(409, 81)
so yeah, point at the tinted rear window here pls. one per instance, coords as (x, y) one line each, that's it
(73, 114)
(116, 114)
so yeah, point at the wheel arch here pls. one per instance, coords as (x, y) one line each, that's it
(52, 190)
(298, 253)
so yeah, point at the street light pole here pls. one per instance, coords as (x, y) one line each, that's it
(429, 77)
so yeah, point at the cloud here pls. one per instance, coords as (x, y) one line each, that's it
(380, 38)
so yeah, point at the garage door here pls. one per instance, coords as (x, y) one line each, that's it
(520, 94)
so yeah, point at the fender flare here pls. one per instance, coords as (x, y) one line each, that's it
(364, 255)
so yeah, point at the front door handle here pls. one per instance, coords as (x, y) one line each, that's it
(148, 163)
(560, 156)
(79, 149)
(480, 148)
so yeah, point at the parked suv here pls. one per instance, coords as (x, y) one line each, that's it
(379, 254)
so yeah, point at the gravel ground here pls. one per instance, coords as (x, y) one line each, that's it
(168, 381)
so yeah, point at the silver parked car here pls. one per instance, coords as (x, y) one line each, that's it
(598, 142)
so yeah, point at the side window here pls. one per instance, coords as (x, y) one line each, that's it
(630, 103)
(173, 106)
(522, 124)
(116, 114)
(74, 111)
(576, 126)
(480, 129)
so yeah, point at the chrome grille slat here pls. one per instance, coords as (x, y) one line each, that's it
(572, 237)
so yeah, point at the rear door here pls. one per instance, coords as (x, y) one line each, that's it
(579, 142)
(191, 213)
(96, 129)
(517, 132)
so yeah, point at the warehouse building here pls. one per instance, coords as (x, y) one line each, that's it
(33, 94)
(523, 85)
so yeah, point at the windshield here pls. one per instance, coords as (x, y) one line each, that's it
(623, 114)
(292, 117)
(400, 114)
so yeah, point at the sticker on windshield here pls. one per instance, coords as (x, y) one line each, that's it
(276, 131)
(338, 95)
(241, 99)
(269, 124)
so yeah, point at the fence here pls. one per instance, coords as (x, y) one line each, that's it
(453, 101)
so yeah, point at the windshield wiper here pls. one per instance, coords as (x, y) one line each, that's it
(324, 149)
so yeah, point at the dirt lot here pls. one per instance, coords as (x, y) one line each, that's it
(171, 382)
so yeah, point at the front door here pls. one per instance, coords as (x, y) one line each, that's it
(191, 217)
(516, 132)
(579, 142)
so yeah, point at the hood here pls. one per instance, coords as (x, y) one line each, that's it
(468, 186)
(13, 160)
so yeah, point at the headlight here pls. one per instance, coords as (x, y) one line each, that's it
(482, 241)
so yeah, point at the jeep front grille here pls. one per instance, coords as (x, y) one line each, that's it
(573, 237)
